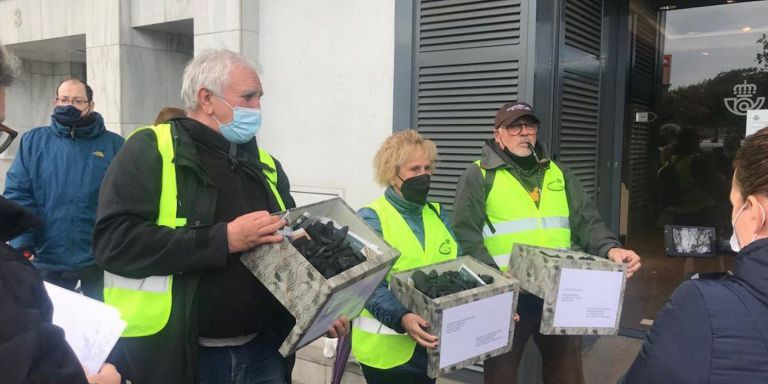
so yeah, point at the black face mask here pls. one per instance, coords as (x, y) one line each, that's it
(415, 189)
(68, 115)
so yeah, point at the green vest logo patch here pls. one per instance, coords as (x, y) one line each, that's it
(445, 247)
(556, 186)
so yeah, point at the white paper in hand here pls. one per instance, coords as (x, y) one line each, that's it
(90, 326)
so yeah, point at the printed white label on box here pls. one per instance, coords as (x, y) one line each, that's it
(475, 328)
(588, 298)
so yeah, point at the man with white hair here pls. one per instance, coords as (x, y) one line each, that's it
(178, 206)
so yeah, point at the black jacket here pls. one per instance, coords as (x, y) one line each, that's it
(712, 330)
(32, 350)
(129, 243)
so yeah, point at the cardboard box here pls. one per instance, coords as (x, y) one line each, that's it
(313, 300)
(471, 325)
(582, 293)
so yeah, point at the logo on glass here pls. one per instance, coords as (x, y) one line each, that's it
(744, 99)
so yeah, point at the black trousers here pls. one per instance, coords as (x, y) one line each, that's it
(91, 280)
(560, 354)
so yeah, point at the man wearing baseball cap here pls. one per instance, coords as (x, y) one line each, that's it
(515, 194)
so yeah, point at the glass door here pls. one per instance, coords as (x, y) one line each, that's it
(709, 69)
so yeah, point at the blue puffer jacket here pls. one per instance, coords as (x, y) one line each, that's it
(57, 174)
(712, 331)
(383, 305)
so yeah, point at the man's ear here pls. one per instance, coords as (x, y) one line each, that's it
(497, 137)
(204, 100)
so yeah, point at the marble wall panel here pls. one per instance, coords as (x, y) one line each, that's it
(9, 33)
(219, 40)
(77, 14)
(52, 22)
(146, 12)
(104, 27)
(104, 77)
(179, 9)
(30, 28)
(216, 16)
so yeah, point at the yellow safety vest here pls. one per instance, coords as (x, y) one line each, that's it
(515, 218)
(145, 304)
(373, 343)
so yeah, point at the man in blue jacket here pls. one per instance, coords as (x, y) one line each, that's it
(57, 173)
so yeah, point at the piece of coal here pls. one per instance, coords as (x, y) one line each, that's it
(436, 284)
(326, 248)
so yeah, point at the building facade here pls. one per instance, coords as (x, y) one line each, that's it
(606, 77)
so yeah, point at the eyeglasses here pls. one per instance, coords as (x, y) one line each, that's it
(517, 129)
(68, 101)
(6, 137)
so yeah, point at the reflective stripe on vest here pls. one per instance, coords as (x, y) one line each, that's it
(145, 304)
(371, 325)
(516, 219)
(373, 343)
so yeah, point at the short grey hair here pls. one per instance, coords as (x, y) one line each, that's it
(210, 70)
(9, 67)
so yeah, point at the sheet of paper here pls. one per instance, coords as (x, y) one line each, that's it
(475, 328)
(757, 119)
(90, 326)
(588, 298)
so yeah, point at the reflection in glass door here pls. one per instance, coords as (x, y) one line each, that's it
(709, 70)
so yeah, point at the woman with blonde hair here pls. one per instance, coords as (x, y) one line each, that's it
(388, 340)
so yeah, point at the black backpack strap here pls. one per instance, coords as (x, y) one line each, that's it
(488, 176)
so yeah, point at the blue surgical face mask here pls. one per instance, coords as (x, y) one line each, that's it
(245, 124)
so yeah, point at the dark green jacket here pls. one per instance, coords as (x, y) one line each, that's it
(588, 231)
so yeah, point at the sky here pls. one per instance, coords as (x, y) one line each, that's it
(705, 41)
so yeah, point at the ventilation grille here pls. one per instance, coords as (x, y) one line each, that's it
(453, 24)
(578, 128)
(456, 107)
(583, 23)
(641, 187)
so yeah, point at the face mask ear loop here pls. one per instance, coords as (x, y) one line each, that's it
(762, 224)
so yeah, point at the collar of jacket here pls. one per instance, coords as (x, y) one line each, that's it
(90, 131)
(751, 267)
(16, 220)
(401, 204)
(185, 152)
(490, 159)
(247, 153)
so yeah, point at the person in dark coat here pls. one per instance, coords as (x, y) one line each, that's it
(715, 330)
(222, 324)
(32, 349)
